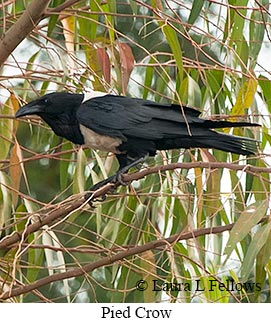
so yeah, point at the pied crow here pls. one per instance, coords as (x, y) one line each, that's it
(132, 128)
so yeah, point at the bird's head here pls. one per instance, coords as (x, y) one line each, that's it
(58, 110)
(52, 105)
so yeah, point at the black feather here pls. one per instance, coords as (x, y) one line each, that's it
(140, 127)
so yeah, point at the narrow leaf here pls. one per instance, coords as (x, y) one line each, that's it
(265, 85)
(175, 46)
(245, 97)
(255, 246)
(15, 171)
(126, 62)
(147, 263)
(257, 28)
(104, 62)
(195, 11)
(79, 178)
(53, 18)
(6, 128)
(69, 31)
(248, 219)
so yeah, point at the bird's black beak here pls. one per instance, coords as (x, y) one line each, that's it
(30, 109)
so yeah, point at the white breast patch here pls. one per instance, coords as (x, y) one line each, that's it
(101, 142)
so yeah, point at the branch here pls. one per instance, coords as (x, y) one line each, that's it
(43, 217)
(34, 13)
(60, 8)
(19, 31)
(109, 260)
(50, 214)
(210, 165)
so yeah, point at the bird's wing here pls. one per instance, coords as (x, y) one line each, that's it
(124, 117)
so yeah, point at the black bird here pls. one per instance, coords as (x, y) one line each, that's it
(132, 128)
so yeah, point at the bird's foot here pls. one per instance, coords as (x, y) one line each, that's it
(114, 179)
(90, 199)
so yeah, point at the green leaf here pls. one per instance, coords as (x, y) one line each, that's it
(243, 52)
(35, 258)
(148, 265)
(245, 97)
(265, 85)
(216, 86)
(5, 199)
(79, 174)
(134, 6)
(88, 24)
(53, 18)
(110, 6)
(195, 11)
(64, 165)
(175, 46)
(258, 186)
(247, 220)
(6, 129)
(190, 93)
(262, 260)
(254, 248)
(149, 75)
(237, 23)
(257, 28)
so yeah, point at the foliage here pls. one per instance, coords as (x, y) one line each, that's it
(205, 54)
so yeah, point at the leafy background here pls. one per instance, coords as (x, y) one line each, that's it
(213, 56)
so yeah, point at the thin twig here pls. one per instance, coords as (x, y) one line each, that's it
(60, 8)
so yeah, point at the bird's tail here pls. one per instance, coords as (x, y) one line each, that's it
(229, 143)
(214, 124)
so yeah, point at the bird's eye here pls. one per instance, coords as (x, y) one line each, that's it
(46, 101)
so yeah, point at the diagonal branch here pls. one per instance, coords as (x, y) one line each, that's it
(34, 13)
(19, 31)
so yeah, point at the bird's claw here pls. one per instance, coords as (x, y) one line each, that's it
(117, 178)
(89, 199)
(100, 199)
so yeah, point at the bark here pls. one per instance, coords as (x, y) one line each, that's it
(19, 31)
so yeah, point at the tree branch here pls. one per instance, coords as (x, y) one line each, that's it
(109, 260)
(49, 215)
(19, 31)
(34, 13)
(210, 165)
(43, 217)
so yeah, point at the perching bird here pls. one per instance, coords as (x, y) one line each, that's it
(132, 128)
